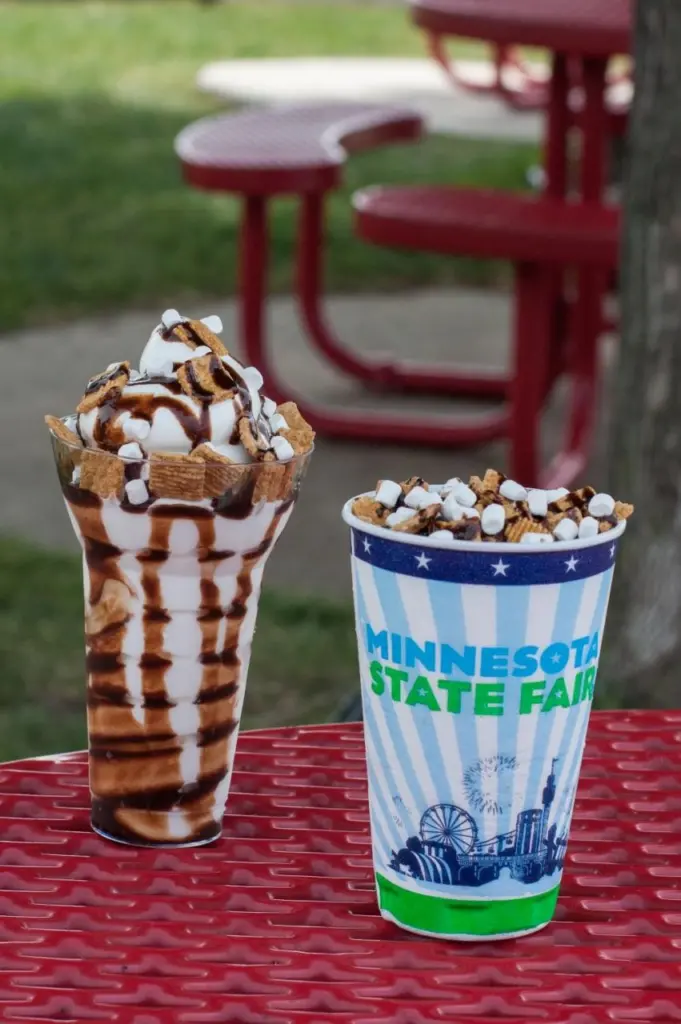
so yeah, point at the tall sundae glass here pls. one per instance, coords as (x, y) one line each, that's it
(178, 479)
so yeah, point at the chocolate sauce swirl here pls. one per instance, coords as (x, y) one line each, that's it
(138, 776)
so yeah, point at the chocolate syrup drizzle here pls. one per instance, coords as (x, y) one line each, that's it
(135, 766)
(108, 432)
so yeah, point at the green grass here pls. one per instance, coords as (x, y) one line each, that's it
(95, 216)
(292, 678)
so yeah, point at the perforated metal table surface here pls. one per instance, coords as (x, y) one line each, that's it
(276, 923)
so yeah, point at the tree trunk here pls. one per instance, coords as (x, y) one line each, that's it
(642, 655)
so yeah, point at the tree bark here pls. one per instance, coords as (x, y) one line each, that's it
(641, 663)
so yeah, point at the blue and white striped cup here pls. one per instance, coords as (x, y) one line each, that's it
(477, 664)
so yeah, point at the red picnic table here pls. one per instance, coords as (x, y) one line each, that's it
(276, 922)
(585, 33)
(559, 291)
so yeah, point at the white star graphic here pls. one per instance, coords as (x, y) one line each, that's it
(367, 545)
(612, 551)
(555, 658)
(422, 561)
(571, 564)
(500, 567)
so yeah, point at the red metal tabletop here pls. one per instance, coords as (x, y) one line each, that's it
(597, 28)
(276, 923)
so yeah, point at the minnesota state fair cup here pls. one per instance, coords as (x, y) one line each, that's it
(478, 664)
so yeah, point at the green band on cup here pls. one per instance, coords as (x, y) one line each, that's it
(448, 917)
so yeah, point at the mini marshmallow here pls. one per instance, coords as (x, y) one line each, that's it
(213, 323)
(432, 499)
(283, 449)
(556, 494)
(536, 538)
(441, 538)
(435, 489)
(131, 450)
(136, 491)
(513, 491)
(136, 430)
(463, 494)
(538, 503)
(171, 318)
(452, 482)
(278, 423)
(419, 497)
(253, 378)
(269, 408)
(601, 505)
(415, 497)
(588, 528)
(202, 350)
(452, 510)
(566, 529)
(470, 513)
(75, 476)
(388, 493)
(493, 519)
(400, 515)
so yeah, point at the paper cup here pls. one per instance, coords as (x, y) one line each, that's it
(477, 663)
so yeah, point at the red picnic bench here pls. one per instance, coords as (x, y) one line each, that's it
(300, 150)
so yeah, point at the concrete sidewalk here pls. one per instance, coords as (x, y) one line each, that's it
(418, 84)
(47, 370)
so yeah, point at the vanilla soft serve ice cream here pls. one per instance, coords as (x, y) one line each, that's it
(178, 478)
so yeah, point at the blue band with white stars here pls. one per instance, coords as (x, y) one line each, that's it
(510, 569)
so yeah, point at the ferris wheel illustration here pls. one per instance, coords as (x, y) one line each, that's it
(450, 826)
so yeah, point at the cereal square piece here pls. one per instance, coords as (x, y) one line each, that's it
(195, 333)
(253, 441)
(492, 480)
(369, 510)
(221, 473)
(581, 497)
(206, 379)
(564, 504)
(485, 495)
(274, 481)
(623, 510)
(519, 527)
(514, 510)
(60, 430)
(101, 473)
(412, 482)
(299, 433)
(176, 476)
(108, 384)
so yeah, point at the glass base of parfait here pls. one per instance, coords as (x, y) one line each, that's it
(178, 844)
(464, 920)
